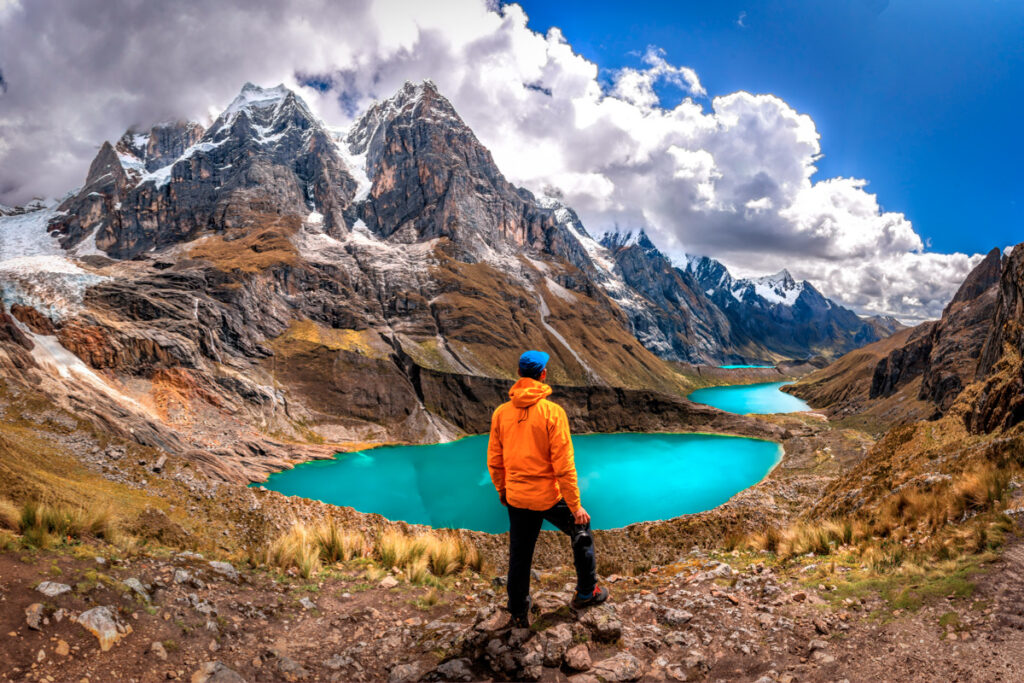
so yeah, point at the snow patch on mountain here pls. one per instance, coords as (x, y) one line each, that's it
(162, 175)
(355, 163)
(560, 291)
(25, 234)
(779, 289)
(51, 284)
(48, 352)
(252, 97)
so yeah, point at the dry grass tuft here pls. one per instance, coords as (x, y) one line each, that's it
(338, 545)
(9, 515)
(41, 525)
(297, 548)
(308, 548)
(980, 489)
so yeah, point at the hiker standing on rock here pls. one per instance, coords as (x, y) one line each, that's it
(530, 458)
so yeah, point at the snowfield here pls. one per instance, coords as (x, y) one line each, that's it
(34, 270)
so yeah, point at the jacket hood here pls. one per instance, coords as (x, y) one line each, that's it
(527, 392)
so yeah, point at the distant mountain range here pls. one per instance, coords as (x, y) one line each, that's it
(317, 283)
(703, 311)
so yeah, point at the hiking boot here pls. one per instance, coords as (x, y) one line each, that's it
(520, 620)
(596, 598)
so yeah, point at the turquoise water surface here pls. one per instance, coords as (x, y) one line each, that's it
(624, 478)
(741, 367)
(750, 398)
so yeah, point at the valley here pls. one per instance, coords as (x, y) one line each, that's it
(221, 304)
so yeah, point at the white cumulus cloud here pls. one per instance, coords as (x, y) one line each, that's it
(730, 177)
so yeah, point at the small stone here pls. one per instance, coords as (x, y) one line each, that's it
(388, 582)
(456, 670)
(676, 617)
(621, 667)
(41, 655)
(215, 672)
(695, 660)
(799, 597)
(816, 645)
(603, 624)
(495, 621)
(577, 657)
(290, 669)
(721, 570)
(307, 603)
(34, 616)
(556, 643)
(406, 673)
(181, 576)
(103, 623)
(225, 569)
(52, 589)
(158, 650)
(336, 662)
(821, 627)
(136, 587)
(62, 648)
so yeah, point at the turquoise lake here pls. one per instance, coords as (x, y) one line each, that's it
(750, 398)
(624, 478)
(743, 367)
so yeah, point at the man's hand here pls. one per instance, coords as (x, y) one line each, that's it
(504, 501)
(581, 516)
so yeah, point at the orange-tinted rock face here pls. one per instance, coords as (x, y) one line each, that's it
(9, 332)
(33, 319)
(91, 343)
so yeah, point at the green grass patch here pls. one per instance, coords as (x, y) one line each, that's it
(908, 591)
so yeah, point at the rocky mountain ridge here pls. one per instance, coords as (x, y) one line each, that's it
(920, 372)
(249, 291)
(702, 307)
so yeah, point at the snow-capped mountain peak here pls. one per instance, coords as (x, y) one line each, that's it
(779, 288)
(625, 240)
(255, 97)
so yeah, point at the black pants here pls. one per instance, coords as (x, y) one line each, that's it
(524, 527)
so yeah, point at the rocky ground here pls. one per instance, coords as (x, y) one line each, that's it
(69, 615)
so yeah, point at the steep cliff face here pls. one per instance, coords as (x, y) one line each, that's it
(694, 328)
(921, 372)
(265, 154)
(999, 401)
(431, 178)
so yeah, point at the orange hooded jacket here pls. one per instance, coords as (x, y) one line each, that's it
(530, 454)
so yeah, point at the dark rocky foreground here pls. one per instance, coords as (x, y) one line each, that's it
(704, 617)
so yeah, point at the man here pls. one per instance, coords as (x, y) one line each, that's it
(530, 458)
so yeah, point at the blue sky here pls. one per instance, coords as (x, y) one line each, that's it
(922, 99)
